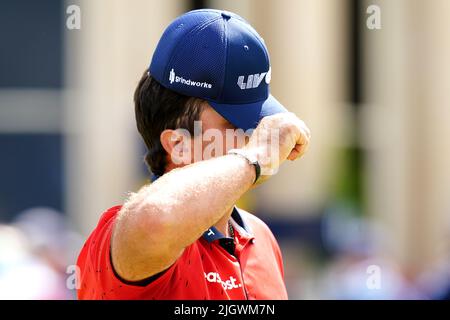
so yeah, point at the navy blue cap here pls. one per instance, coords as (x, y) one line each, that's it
(217, 56)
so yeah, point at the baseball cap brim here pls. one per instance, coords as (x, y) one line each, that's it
(247, 116)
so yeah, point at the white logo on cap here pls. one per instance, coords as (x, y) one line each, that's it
(269, 75)
(254, 80)
(188, 82)
(172, 76)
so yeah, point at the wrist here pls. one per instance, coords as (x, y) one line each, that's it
(251, 159)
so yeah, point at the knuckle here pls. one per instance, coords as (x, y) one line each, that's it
(292, 128)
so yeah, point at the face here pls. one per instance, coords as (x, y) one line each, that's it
(213, 137)
(219, 135)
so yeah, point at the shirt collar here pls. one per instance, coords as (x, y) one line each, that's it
(239, 224)
(237, 221)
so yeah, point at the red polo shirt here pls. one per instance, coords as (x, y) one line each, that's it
(205, 270)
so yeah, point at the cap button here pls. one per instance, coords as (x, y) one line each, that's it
(226, 16)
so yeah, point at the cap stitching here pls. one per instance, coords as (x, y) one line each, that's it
(220, 95)
(258, 37)
(181, 44)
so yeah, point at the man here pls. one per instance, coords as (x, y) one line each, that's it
(181, 237)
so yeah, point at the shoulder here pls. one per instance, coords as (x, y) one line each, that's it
(109, 215)
(99, 239)
(106, 220)
(102, 230)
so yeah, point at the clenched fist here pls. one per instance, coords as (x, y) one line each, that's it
(277, 138)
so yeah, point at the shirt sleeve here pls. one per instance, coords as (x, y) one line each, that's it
(97, 277)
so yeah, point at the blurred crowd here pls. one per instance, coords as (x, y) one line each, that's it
(347, 265)
(36, 250)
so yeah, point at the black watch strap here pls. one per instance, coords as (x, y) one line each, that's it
(252, 160)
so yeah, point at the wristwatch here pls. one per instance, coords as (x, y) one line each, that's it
(250, 158)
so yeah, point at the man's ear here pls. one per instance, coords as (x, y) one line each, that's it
(177, 144)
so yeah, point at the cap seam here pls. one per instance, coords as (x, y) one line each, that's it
(258, 37)
(220, 95)
(181, 44)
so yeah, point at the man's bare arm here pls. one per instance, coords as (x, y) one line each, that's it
(158, 222)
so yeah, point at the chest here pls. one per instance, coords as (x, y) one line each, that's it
(210, 272)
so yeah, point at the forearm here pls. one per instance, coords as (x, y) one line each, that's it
(187, 201)
(158, 222)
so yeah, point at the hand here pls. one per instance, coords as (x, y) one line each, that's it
(277, 138)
